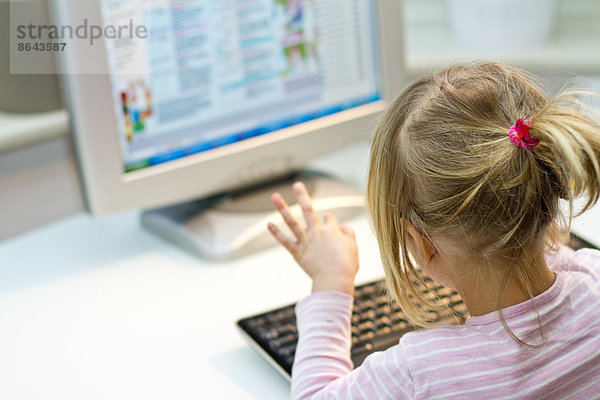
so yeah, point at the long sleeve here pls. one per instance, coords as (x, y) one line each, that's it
(322, 367)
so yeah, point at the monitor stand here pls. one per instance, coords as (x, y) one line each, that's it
(235, 224)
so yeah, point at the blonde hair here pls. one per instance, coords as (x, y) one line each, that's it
(442, 160)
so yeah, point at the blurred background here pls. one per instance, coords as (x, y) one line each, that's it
(559, 40)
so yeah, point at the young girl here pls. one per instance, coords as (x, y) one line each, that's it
(466, 173)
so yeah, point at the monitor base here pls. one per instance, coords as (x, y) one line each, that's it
(232, 225)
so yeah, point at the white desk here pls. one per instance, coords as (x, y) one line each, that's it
(99, 309)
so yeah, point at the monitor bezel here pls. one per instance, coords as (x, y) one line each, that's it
(109, 189)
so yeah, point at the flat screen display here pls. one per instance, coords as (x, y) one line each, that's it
(210, 73)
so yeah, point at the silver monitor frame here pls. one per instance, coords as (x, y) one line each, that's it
(109, 189)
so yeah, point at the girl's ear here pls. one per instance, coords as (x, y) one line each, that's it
(419, 243)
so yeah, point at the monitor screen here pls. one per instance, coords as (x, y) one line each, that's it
(213, 73)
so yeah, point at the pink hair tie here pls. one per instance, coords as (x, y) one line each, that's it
(519, 135)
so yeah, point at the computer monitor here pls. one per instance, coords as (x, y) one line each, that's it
(178, 100)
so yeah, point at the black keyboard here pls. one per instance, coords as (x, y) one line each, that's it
(376, 323)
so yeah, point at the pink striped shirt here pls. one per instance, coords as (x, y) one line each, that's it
(477, 360)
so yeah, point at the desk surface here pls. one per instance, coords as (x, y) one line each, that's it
(100, 309)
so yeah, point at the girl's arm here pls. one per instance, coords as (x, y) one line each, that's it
(322, 367)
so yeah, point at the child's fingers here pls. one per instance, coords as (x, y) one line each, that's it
(281, 238)
(347, 230)
(330, 219)
(287, 216)
(311, 217)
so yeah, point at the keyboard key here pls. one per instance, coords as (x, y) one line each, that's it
(288, 351)
(269, 334)
(283, 341)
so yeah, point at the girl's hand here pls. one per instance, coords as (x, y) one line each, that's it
(326, 251)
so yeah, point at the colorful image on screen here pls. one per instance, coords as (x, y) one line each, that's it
(217, 73)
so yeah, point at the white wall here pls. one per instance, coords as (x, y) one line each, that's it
(38, 184)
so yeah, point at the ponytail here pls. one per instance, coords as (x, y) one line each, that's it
(568, 167)
(569, 149)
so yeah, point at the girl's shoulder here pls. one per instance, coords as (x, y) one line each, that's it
(583, 260)
(434, 342)
(434, 353)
